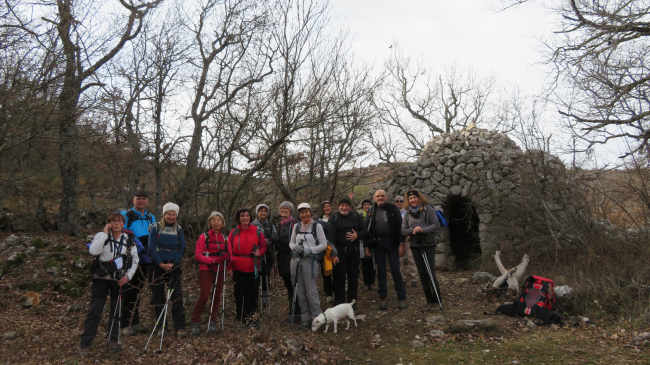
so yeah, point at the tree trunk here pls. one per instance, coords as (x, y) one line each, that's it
(69, 156)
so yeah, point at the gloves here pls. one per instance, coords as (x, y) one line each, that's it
(299, 248)
(220, 259)
(307, 251)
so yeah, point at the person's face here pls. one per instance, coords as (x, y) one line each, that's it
(140, 202)
(244, 218)
(117, 225)
(170, 217)
(366, 206)
(344, 209)
(399, 203)
(380, 197)
(285, 212)
(414, 200)
(262, 213)
(216, 223)
(327, 208)
(305, 215)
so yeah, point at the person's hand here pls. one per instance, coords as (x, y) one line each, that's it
(123, 281)
(166, 267)
(402, 250)
(299, 249)
(107, 227)
(351, 236)
(367, 251)
(417, 229)
(335, 259)
(229, 272)
(256, 253)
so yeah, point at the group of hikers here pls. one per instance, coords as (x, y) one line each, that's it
(134, 249)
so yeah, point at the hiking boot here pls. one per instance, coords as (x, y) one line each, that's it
(212, 328)
(330, 299)
(432, 307)
(383, 304)
(194, 329)
(114, 347)
(129, 331)
(140, 328)
(305, 326)
(83, 352)
(181, 333)
(402, 304)
(414, 283)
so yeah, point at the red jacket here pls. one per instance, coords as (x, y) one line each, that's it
(215, 245)
(240, 248)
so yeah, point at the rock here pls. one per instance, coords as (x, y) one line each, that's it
(31, 299)
(436, 319)
(31, 251)
(52, 270)
(12, 240)
(436, 333)
(483, 277)
(416, 343)
(293, 344)
(531, 325)
(563, 291)
(77, 307)
(10, 335)
(455, 190)
(81, 263)
(70, 289)
(641, 337)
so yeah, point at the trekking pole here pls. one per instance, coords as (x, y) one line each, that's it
(433, 284)
(119, 299)
(574, 323)
(223, 294)
(164, 312)
(162, 334)
(295, 292)
(214, 291)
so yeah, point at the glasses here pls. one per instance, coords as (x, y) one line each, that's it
(399, 201)
(117, 221)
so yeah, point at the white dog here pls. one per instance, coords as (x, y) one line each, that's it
(335, 314)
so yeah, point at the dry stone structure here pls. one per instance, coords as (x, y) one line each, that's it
(468, 174)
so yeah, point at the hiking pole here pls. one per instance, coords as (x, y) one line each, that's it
(295, 292)
(433, 284)
(223, 294)
(214, 291)
(164, 312)
(119, 299)
(574, 323)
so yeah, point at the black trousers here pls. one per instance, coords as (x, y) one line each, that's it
(328, 282)
(284, 267)
(346, 269)
(368, 267)
(99, 289)
(172, 278)
(245, 289)
(430, 253)
(266, 272)
(131, 310)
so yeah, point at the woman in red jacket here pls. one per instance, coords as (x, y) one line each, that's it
(212, 255)
(246, 244)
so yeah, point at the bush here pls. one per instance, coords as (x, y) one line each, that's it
(38, 243)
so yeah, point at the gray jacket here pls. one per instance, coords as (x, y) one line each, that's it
(428, 222)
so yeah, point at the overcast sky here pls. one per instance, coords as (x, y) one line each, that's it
(467, 32)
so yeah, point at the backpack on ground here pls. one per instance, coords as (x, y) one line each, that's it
(536, 299)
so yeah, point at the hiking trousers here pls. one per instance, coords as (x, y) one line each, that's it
(346, 270)
(172, 278)
(386, 248)
(206, 281)
(99, 289)
(430, 251)
(131, 309)
(407, 264)
(307, 289)
(245, 289)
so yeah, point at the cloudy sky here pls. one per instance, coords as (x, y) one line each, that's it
(444, 32)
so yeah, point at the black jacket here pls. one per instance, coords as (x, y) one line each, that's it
(341, 225)
(394, 223)
(284, 236)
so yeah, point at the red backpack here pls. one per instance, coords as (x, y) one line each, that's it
(536, 299)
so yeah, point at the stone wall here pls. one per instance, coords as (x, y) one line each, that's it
(476, 164)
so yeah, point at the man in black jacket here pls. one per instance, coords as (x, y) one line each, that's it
(346, 228)
(384, 222)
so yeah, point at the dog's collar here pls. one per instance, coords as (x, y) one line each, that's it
(325, 315)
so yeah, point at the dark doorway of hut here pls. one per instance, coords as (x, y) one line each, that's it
(463, 231)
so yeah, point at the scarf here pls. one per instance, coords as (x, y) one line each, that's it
(286, 221)
(415, 211)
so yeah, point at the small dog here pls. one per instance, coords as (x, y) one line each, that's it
(335, 314)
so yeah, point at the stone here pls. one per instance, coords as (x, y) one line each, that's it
(12, 240)
(460, 168)
(497, 176)
(52, 270)
(10, 335)
(455, 190)
(563, 291)
(436, 319)
(443, 190)
(438, 176)
(416, 343)
(426, 173)
(31, 299)
(531, 325)
(641, 337)
(436, 334)
(293, 344)
(31, 251)
(483, 277)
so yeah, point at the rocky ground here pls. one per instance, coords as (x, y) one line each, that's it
(44, 292)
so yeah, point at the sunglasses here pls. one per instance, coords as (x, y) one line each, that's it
(399, 201)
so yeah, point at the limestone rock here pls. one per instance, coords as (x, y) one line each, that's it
(10, 335)
(436, 333)
(483, 277)
(563, 291)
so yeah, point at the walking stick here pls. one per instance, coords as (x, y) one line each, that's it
(214, 291)
(119, 300)
(223, 294)
(164, 312)
(433, 284)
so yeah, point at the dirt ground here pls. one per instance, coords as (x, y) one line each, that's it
(49, 332)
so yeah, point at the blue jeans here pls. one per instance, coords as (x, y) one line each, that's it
(386, 248)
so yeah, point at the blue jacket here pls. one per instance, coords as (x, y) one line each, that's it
(168, 245)
(139, 227)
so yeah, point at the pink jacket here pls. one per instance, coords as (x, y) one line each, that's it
(241, 246)
(215, 244)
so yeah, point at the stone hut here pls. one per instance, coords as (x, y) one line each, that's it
(468, 174)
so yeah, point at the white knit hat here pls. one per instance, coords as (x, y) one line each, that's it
(171, 207)
(257, 208)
